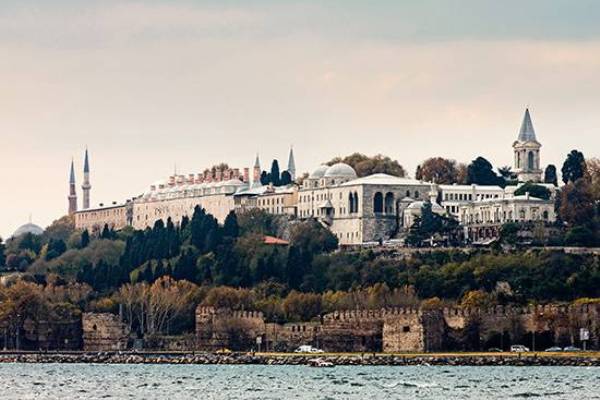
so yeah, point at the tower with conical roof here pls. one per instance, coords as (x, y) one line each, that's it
(86, 182)
(72, 192)
(527, 152)
(256, 173)
(291, 168)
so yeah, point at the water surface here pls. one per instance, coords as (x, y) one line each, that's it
(147, 382)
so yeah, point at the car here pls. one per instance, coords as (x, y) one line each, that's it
(519, 348)
(553, 349)
(308, 349)
(495, 350)
(572, 348)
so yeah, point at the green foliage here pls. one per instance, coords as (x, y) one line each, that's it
(85, 239)
(509, 233)
(275, 174)
(550, 175)
(580, 236)
(574, 167)
(286, 178)
(534, 190)
(481, 172)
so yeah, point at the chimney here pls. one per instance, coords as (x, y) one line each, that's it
(246, 178)
(172, 180)
(236, 173)
(218, 175)
(191, 178)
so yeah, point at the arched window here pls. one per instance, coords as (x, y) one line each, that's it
(389, 203)
(545, 215)
(378, 203)
(408, 193)
(417, 194)
(350, 203)
(355, 202)
(530, 160)
(522, 214)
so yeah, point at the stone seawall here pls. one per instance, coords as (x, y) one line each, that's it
(535, 359)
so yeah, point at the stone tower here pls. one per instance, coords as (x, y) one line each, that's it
(291, 168)
(527, 152)
(72, 193)
(86, 182)
(256, 173)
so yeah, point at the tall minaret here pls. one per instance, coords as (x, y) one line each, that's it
(72, 193)
(256, 173)
(527, 152)
(86, 182)
(292, 164)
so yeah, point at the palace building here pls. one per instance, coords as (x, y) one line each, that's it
(357, 210)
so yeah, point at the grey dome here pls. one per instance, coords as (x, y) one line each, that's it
(340, 170)
(319, 172)
(28, 228)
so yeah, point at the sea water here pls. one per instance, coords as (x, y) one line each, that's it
(171, 382)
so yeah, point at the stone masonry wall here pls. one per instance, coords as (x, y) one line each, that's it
(104, 332)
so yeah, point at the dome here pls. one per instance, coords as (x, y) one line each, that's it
(418, 205)
(340, 170)
(319, 172)
(28, 228)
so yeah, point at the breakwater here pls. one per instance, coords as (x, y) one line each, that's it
(529, 359)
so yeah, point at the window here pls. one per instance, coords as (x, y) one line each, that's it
(378, 203)
(406, 329)
(530, 160)
(389, 203)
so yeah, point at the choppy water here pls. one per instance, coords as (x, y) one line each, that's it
(90, 381)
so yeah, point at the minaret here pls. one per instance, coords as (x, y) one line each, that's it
(256, 173)
(292, 164)
(72, 193)
(527, 152)
(86, 182)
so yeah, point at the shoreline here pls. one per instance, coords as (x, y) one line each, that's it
(342, 359)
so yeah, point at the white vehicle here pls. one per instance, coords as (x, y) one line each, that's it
(308, 349)
(518, 348)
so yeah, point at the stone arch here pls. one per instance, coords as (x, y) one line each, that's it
(378, 203)
(389, 203)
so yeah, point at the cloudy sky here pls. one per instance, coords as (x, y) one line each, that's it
(150, 84)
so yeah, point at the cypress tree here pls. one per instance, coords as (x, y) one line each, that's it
(275, 176)
(231, 228)
(85, 239)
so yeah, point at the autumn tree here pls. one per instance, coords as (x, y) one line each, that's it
(439, 170)
(577, 203)
(364, 165)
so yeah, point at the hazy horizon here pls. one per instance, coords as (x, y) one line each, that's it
(146, 85)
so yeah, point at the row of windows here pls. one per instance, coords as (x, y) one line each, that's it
(270, 201)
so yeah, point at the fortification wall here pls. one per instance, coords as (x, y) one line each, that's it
(104, 332)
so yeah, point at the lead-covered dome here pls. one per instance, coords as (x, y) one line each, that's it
(340, 170)
(28, 228)
(319, 172)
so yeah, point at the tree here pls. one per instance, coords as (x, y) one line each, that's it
(286, 178)
(550, 175)
(534, 190)
(462, 174)
(85, 239)
(106, 232)
(2, 255)
(265, 178)
(574, 167)
(231, 228)
(56, 247)
(481, 172)
(580, 236)
(275, 175)
(509, 233)
(577, 204)
(439, 170)
(506, 173)
(593, 172)
(364, 165)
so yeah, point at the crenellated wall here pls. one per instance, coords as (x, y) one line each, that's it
(405, 329)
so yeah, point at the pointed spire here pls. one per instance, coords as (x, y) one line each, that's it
(72, 177)
(526, 133)
(291, 168)
(86, 163)
(257, 162)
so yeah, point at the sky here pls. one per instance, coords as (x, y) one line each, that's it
(147, 85)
